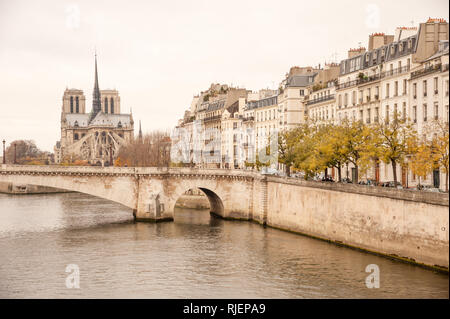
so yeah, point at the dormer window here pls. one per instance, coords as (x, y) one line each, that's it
(119, 124)
(400, 47)
(409, 43)
(367, 57)
(392, 49)
(75, 124)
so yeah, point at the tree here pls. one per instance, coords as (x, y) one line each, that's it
(359, 144)
(152, 150)
(25, 152)
(421, 162)
(440, 147)
(330, 147)
(303, 141)
(391, 142)
(286, 150)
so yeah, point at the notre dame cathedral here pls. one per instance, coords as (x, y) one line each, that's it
(92, 136)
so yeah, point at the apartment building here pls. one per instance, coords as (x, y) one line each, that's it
(321, 103)
(377, 85)
(292, 96)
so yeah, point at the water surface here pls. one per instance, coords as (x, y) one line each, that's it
(196, 256)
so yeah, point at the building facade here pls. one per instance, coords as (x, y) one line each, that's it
(95, 136)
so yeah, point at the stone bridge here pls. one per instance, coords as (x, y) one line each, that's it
(407, 225)
(150, 191)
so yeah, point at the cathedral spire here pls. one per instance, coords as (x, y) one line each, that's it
(140, 131)
(96, 104)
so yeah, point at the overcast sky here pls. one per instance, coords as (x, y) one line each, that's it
(158, 54)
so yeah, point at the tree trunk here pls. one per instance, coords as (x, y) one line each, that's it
(356, 175)
(394, 171)
(339, 173)
(288, 170)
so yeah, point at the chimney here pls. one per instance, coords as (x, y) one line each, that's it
(355, 52)
(377, 40)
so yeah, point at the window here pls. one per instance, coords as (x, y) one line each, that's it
(446, 88)
(106, 105)
(340, 100)
(396, 88)
(425, 88)
(446, 111)
(405, 82)
(387, 114)
(395, 111)
(387, 90)
(302, 92)
(404, 111)
(71, 104)
(75, 137)
(377, 92)
(415, 114)
(415, 90)
(345, 99)
(112, 106)
(77, 105)
(354, 97)
(424, 112)
(376, 115)
(436, 110)
(435, 85)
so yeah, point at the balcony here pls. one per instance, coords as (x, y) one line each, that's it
(212, 118)
(321, 99)
(428, 70)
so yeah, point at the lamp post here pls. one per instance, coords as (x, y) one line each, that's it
(15, 153)
(4, 158)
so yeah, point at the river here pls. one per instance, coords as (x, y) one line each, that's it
(196, 256)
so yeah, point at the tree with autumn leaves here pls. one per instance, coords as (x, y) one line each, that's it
(312, 148)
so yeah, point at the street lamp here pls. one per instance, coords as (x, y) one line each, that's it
(15, 153)
(4, 158)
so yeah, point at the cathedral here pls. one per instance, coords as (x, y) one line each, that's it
(96, 136)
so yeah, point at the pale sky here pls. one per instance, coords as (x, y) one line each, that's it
(158, 54)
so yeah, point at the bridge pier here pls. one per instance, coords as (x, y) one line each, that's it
(152, 210)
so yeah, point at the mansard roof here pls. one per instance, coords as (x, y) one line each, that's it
(302, 80)
(380, 55)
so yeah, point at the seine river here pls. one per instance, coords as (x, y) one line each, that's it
(196, 256)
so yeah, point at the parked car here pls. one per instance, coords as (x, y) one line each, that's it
(391, 184)
(346, 180)
(327, 179)
(429, 188)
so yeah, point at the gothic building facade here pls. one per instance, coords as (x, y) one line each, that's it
(95, 136)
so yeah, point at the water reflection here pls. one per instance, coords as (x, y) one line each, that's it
(196, 256)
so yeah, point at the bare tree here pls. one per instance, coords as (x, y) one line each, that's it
(152, 150)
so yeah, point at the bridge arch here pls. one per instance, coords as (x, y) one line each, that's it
(91, 185)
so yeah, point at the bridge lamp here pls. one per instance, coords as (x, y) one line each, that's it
(4, 158)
